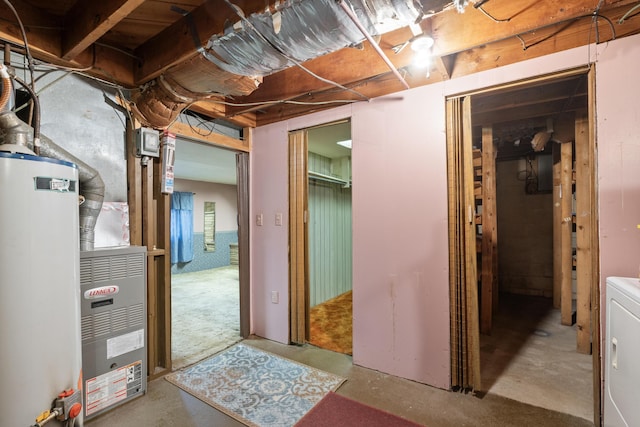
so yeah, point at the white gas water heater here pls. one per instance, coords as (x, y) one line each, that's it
(40, 343)
(40, 352)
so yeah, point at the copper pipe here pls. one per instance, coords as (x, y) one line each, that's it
(375, 45)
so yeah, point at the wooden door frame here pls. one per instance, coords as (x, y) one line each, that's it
(589, 241)
(150, 226)
(299, 289)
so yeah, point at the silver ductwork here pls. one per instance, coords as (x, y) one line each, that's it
(284, 35)
(265, 43)
(18, 134)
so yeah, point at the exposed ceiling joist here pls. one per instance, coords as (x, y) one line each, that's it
(86, 23)
(131, 42)
(182, 40)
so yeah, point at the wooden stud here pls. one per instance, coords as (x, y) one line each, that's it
(208, 137)
(243, 239)
(557, 221)
(566, 226)
(162, 261)
(134, 187)
(595, 260)
(489, 228)
(584, 202)
(470, 265)
(563, 132)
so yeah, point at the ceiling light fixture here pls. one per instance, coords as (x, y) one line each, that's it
(346, 143)
(421, 45)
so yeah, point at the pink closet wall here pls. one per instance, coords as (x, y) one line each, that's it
(400, 252)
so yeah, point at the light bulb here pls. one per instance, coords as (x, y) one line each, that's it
(421, 43)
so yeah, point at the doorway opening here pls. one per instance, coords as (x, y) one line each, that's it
(529, 325)
(323, 203)
(205, 284)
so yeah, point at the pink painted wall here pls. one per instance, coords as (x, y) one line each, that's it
(618, 137)
(400, 255)
(618, 133)
(400, 278)
(269, 189)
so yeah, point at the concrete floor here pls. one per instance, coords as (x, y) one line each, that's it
(531, 357)
(166, 405)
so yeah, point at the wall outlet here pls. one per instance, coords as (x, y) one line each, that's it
(275, 297)
(259, 219)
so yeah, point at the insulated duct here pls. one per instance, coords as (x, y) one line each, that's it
(16, 133)
(285, 35)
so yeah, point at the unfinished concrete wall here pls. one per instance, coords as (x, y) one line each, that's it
(525, 233)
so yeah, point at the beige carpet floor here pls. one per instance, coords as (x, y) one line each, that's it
(331, 324)
(205, 314)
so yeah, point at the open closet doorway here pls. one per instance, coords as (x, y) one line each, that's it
(525, 318)
(323, 206)
(205, 285)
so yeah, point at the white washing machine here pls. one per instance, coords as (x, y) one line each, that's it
(622, 357)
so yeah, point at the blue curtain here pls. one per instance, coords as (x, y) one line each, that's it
(181, 227)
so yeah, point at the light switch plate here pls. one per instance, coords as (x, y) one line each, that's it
(259, 219)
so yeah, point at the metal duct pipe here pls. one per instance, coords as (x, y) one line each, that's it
(17, 132)
(91, 188)
(288, 34)
(163, 99)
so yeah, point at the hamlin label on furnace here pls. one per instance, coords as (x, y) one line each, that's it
(115, 386)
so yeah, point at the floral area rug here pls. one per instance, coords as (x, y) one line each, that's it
(256, 387)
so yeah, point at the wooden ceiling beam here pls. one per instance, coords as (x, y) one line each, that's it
(43, 30)
(524, 97)
(455, 32)
(87, 22)
(542, 109)
(216, 110)
(44, 35)
(373, 88)
(452, 31)
(346, 66)
(184, 38)
(472, 60)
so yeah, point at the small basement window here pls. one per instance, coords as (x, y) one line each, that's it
(209, 226)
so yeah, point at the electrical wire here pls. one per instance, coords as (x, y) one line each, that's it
(481, 9)
(24, 39)
(210, 126)
(564, 27)
(282, 101)
(123, 51)
(628, 14)
(31, 89)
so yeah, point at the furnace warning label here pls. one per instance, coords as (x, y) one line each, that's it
(115, 386)
(125, 343)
